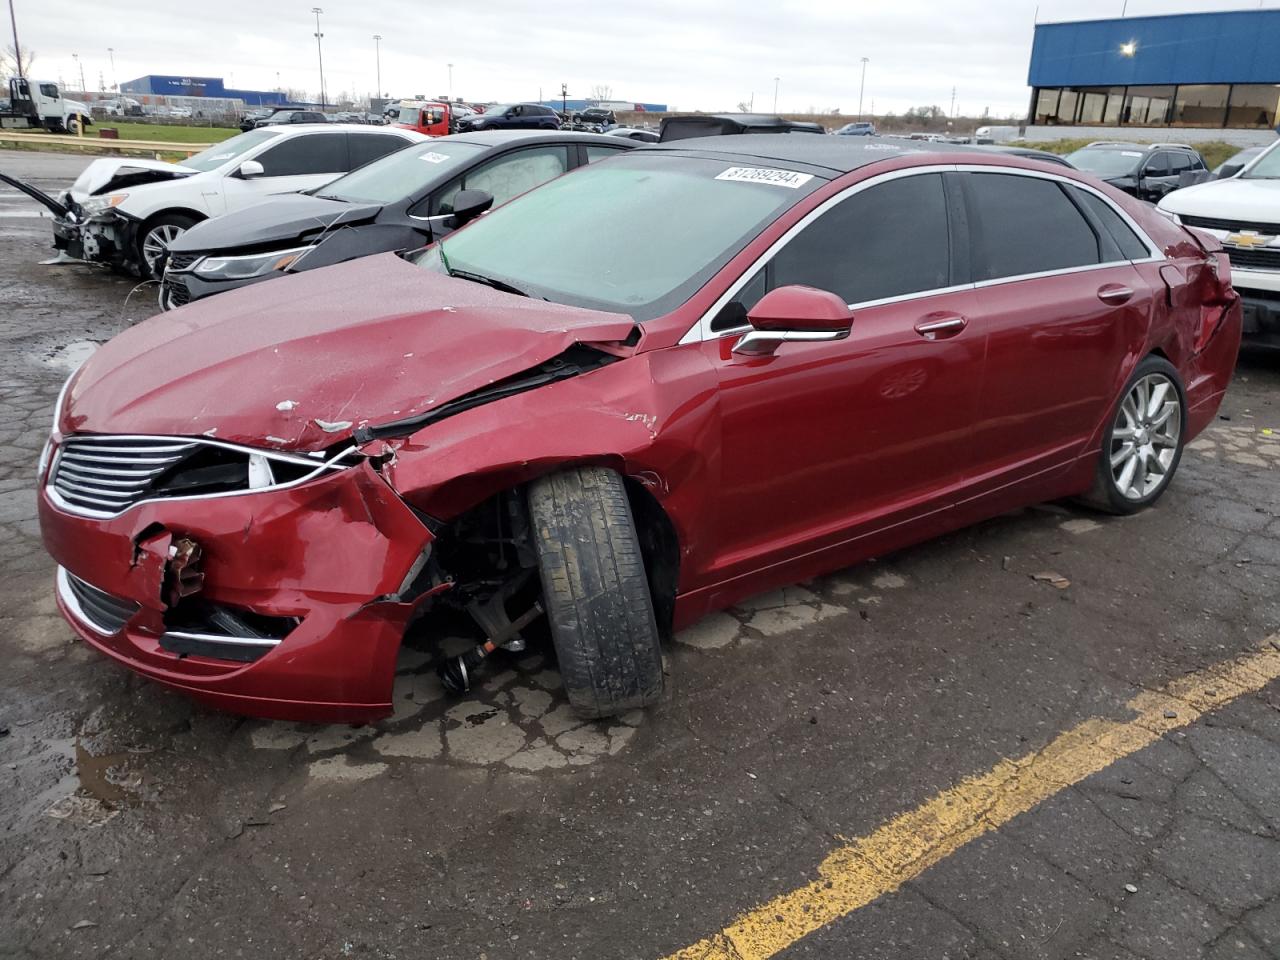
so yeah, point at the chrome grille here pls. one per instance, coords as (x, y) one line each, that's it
(109, 474)
(1260, 259)
(1216, 223)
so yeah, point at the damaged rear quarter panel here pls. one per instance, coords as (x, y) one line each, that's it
(653, 417)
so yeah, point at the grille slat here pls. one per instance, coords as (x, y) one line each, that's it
(101, 610)
(98, 481)
(1233, 226)
(1259, 259)
(95, 471)
(122, 496)
(182, 261)
(128, 459)
(107, 474)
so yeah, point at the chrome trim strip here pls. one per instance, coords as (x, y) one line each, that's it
(72, 603)
(223, 638)
(331, 465)
(701, 330)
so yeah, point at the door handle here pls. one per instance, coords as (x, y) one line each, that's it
(1114, 293)
(939, 326)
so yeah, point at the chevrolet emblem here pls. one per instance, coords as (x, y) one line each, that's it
(1247, 239)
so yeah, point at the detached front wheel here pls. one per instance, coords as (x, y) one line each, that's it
(596, 591)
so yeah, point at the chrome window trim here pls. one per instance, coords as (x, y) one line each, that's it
(321, 466)
(701, 330)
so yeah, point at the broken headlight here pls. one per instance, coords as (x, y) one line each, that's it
(243, 268)
(95, 206)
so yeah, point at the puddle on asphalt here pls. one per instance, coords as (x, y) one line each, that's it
(70, 356)
(108, 777)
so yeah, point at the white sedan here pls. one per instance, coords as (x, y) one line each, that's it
(125, 212)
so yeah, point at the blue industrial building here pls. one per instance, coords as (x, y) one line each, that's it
(167, 86)
(1204, 70)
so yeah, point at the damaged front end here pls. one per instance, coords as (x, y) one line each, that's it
(261, 583)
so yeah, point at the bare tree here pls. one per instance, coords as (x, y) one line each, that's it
(601, 91)
(9, 61)
(744, 106)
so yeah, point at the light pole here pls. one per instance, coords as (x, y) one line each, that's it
(319, 54)
(111, 52)
(76, 58)
(863, 86)
(17, 50)
(776, 81)
(450, 66)
(377, 57)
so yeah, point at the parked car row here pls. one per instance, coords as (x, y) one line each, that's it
(568, 409)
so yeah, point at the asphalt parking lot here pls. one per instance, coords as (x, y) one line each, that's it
(1055, 734)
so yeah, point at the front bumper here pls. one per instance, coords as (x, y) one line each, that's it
(1260, 292)
(101, 240)
(335, 554)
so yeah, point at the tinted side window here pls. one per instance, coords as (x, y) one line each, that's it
(296, 156)
(1128, 242)
(1157, 165)
(596, 152)
(885, 241)
(1025, 225)
(370, 146)
(508, 176)
(1179, 162)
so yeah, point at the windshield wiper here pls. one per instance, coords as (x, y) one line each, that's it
(488, 281)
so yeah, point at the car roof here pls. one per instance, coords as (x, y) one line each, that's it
(498, 137)
(836, 155)
(1144, 147)
(404, 132)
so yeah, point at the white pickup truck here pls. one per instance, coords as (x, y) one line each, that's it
(1243, 211)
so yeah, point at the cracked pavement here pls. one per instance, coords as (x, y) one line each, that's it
(134, 824)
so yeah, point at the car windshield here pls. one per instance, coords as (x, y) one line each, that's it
(1106, 162)
(405, 173)
(1265, 167)
(228, 150)
(637, 235)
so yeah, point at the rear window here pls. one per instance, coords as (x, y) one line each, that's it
(1026, 225)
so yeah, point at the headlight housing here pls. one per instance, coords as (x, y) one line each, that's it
(244, 268)
(96, 206)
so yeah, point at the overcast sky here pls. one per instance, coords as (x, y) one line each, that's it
(690, 54)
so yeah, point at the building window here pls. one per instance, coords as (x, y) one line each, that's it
(1147, 106)
(1253, 105)
(1067, 106)
(1047, 106)
(1200, 105)
(1101, 105)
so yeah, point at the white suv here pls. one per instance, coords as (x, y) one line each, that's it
(125, 212)
(1243, 211)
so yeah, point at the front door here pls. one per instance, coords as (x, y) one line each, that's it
(827, 442)
(289, 165)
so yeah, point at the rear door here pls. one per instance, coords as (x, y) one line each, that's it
(290, 164)
(1060, 309)
(825, 443)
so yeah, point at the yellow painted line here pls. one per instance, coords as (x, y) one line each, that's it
(869, 867)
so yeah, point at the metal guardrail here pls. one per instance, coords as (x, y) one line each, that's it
(97, 145)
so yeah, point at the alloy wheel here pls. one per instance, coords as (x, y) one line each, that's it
(157, 241)
(1145, 436)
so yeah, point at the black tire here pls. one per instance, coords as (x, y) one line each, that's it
(1106, 494)
(178, 220)
(596, 592)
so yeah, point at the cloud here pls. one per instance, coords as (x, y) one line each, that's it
(692, 54)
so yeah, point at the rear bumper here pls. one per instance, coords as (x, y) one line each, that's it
(333, 554)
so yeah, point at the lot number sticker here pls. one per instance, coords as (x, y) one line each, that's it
(777, 178)
(433, 157)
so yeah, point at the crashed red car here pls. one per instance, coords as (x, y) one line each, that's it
(630, 397)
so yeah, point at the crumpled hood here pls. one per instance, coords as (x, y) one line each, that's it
(280, 219)
(1234, 199)
(99, 175)
(299, 362)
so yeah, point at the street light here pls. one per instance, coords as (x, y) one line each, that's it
(17, 49)
(776, 81)
(377, 56)
(111, 52)
(450, 66)
(863, 86)
(319, 54)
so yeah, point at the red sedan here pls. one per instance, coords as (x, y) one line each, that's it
(637, 394)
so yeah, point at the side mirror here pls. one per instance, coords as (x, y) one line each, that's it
(250, 169)
(794, 314)
(469, 204)
(1230, 170)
